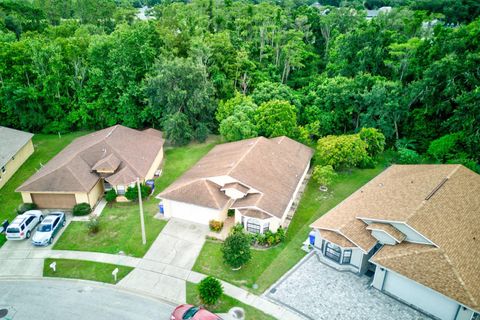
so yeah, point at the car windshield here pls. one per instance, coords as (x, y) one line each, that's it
(13, 230)
(44, 228)
(190, 313)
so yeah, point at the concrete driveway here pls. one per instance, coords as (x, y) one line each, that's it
(56, 299)
(165, 267)
(321, 292)
(17, 258)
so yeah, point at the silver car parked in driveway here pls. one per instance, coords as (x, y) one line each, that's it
(22, 226)
(48, 229)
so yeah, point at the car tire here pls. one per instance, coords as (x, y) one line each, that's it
(40, 219)
(64, 223)
(50, 240)
(27, 236)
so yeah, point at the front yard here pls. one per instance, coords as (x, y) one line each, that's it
(46, 147)
(120, 223)
(267, 266)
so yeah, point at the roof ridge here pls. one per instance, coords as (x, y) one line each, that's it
(123, 159)
(459, 278)
(73, 174)
(244, 155)
(210, 191)
(427, 248)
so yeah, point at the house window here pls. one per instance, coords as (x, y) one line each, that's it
(347, 256)
(323, 245)
(120, 190)
(266, 227)
(243, 220)
(476, 316)
(253, 226)
(333, 252)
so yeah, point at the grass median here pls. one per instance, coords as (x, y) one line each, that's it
(86, 270)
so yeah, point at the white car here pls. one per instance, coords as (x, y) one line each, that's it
(48, 229)
(22, 226)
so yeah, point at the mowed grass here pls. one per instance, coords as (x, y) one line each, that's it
(86, 270)
(267, 266)
(120, 222)
(46, 147)
(224, 304)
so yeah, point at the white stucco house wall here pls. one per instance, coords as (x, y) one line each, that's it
(415, 228)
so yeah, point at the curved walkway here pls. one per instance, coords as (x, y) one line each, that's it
(151, 276)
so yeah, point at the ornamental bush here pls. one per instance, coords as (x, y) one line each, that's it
(25, 207)
(81, 209)
(342, 151)
(215, 225)
(236, 250)
(407, 156)
(132, 192)
(324, 175)
(111, 195)
(210, 290)
(93, 225)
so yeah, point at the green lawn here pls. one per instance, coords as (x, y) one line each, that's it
(46, 147)
(267, 266)
(87, 270)
(225, 304)
(120, 223)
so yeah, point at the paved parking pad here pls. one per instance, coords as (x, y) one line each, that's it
(321, 292)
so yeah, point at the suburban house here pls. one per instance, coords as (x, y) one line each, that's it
(417, 227)
(257, 178)
(110, 158)
(15, 148)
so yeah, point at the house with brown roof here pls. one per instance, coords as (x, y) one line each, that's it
(417, 227)
(15, 148)
(110, 158)
(257, 178)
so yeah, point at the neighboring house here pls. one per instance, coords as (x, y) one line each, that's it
(15, 148)
(418, 228)
(110, 158)
(259, 178)
(374, 13)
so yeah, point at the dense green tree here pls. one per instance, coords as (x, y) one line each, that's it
(236, 250)
(276, 118)
(342, 151)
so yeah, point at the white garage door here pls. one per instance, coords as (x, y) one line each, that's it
(418, 295)
(189, 212)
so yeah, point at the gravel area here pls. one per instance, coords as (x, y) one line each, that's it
(321, 292)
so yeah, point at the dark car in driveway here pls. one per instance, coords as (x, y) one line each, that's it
(191, 312)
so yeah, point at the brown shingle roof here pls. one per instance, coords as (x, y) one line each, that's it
(442, 203)
(11, 141)
(389, 229)
(71, 169)
(108, 163)
(336, 238)
(237, 186)
(272, 166)
(451, 220)
(254, 213)
(200, 192)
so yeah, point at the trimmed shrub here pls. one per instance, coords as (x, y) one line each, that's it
(132, 192)
(324, 175)
(215, 225)
(81, 209)
(93, 226)
(231, 212)
(25, 207)
(210, 290)
(236, 250)
(111, 195)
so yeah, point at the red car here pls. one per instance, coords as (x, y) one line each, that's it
(190, 312)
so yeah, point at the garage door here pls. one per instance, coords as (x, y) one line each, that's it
(54, 200)
(420, 296)
(189, 212)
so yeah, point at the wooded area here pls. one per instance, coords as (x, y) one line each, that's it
(247, 68)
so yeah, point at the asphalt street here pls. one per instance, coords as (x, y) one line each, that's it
(71, 300)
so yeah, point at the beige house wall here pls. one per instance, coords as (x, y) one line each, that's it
(96, 193)
(155, 165)
(12, 166)
(26, 197)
